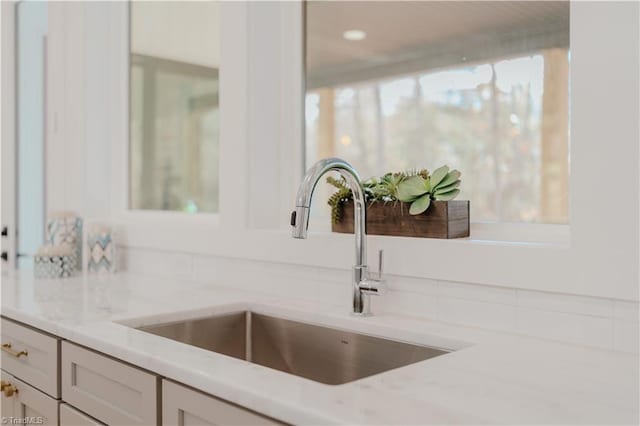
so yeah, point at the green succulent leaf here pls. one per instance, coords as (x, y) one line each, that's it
(451, 177)
(427, 184)
(446, 196)
(412, 188)
(438, 175)
(420, 205)
(446, 188)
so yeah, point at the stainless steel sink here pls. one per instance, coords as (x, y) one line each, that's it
(318, 353)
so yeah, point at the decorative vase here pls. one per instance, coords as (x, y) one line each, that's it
(66, 228)
(102, 250)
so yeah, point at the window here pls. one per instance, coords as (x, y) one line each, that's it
(395, 87)
(174, 106)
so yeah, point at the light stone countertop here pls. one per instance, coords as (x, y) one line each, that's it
(489, 378)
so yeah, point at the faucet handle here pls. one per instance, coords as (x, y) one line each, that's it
(378, 276)
(373, 283)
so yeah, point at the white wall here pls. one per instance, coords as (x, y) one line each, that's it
(65, 143)
(81, 106)
(260, 154)
(261, 143)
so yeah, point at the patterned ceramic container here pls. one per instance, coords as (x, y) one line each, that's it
(66, 228)
(55, 263)
(102, 250)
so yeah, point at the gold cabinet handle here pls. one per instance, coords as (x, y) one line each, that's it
(6, 347)
(9, 390)
(3, 385)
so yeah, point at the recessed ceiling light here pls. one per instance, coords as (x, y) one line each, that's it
(354, 35)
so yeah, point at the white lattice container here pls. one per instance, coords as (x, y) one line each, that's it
(55, 262)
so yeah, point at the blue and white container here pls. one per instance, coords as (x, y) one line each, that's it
(101, 250)
(65, 228)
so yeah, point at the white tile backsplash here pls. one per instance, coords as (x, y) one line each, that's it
(494, 316)
(566, 327)
(626, 336)
(154, 262)
(598, 322)
(565, 303)
(627, 311)
(503, 295)
(410, 284)
(408, 303)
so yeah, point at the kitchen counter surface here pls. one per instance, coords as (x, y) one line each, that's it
(489, 378)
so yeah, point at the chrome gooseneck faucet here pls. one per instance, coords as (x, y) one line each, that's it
(364, 284)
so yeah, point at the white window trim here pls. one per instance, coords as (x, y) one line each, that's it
(120, 188)
(597, 256)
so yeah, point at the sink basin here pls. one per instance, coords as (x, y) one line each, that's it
(318, 353)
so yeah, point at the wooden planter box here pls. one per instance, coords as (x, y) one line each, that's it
(443, 219)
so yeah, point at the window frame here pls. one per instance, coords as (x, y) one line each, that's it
(596, 255)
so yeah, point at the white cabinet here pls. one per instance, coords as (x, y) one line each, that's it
(46, 380)
(109, 390)
(182, 406)
(27, 404)
(69, 416)
(31, 356)
(6, 406)
(30, 385)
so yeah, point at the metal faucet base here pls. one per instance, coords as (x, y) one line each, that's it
(361, 314)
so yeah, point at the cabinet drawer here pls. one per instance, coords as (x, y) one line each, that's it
(28, 405)
(31, 356)
(69, 416)
(109, 390)
(187, 407)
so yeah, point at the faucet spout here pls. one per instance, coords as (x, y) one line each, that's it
(300, 221)
(300, 217)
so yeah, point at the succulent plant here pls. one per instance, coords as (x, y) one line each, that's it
(414, 186)
(418, 190)
(342, 195)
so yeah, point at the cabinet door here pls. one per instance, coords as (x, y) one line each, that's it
(69, 416)
(30, 355)
(108, 390)
(7, 406)
(182, 406)
(30, 406)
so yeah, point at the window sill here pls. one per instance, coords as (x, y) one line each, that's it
(485, 233)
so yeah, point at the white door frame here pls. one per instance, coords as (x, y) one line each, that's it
(8, 131)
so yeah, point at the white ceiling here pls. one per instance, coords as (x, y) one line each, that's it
(397, 27)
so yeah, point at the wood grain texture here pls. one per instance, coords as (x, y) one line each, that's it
(443, 219)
